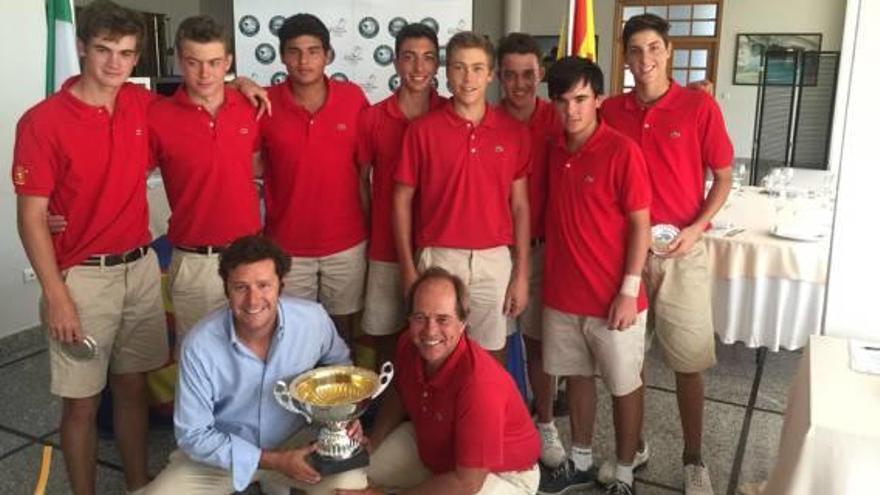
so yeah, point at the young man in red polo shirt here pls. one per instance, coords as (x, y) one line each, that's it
(83, 153)
(461, 197)
(312, 190)
(597, 240)
(380, 141)
(454, 421)
(681, 133)
(204, 139)
(520, 70)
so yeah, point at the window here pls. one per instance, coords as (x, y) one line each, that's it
(695, 33)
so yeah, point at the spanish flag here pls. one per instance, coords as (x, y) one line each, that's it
(577, 35)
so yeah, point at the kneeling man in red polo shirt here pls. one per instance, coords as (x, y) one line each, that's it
(454, 421)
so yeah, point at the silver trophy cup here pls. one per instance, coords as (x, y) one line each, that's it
(333, 396)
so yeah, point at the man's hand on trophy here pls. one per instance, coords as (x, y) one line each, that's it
(294, 463)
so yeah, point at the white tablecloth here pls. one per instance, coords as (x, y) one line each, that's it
(767, 291)
(830, 442)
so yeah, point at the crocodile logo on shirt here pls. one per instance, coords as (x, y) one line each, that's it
(499, 149)
(19, 175)
(243, 131)
(675, 134)
(341, 127)
(589, 178)
(138, 132)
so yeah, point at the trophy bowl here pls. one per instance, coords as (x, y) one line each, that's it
(332, 397)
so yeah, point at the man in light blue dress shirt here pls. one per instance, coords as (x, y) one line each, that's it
(230, 430)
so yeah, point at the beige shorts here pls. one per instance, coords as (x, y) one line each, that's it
(680, 314)
(121, 308)
(582, 345)
(530, 320)
(184, 476)
(196, 288)
(384, 308)
(396, 465)
(336, 281)
(486, 273)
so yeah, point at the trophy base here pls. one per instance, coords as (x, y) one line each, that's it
(326, 466)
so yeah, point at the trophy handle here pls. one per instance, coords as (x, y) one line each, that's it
(282, 395)
(385, 376)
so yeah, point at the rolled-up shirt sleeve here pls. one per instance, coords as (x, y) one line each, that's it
(194, 425)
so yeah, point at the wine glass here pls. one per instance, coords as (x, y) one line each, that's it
(739, 178)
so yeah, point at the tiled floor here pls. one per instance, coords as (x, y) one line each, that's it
(743, 420)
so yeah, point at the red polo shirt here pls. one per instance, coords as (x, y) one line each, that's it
(92, 166)
(311, 179)
(468, 414)
(680, 135)
(207, 168)
(543, 126)
(379, 145)
(592, 192)
(463, 175)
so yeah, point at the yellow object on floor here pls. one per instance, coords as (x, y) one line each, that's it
(45, 467)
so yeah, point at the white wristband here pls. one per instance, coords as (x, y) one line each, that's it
(630, 285)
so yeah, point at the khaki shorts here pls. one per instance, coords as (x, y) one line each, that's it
(530, 320)
(336, 281)
(680, 314)
(384, 309)
(486, 273)
(577, 345)
(196, 288)
(184, 476)
(396, 465)
(121, 308)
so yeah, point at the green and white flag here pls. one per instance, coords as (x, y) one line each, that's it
(62, 60)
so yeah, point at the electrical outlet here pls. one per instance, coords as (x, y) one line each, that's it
(28, 275)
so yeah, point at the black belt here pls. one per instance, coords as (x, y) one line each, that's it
(202, 249)
(537, 241)
(116, 259)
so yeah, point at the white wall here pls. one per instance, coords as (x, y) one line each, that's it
(22, 49)
(854, 268)
(763, 16)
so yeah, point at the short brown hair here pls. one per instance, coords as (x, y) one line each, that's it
(105, 18)
(645, 22)
(520, 44)
(470, 39)
(462, 308)
(251, 249)
(201, 29)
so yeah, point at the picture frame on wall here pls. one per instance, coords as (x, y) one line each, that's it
(751, 47)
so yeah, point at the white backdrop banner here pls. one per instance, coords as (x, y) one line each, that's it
(361, 33)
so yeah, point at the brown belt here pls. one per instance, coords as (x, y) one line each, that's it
(116, 259)
(202, 249)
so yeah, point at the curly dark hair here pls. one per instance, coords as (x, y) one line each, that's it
(251, 249)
